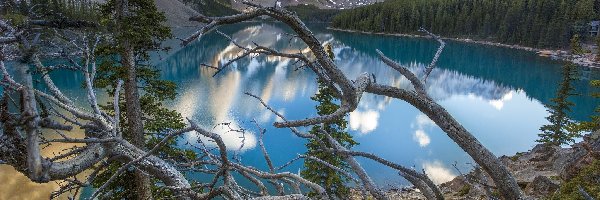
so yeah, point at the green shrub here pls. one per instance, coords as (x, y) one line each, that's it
(15, 19)
(588, 178)
(464, 190)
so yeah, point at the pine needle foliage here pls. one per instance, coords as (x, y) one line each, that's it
(142, 28)
(576, 48)
(587, 179)
(535, 23)
(561, 130)
(333, 182)
(597, 41)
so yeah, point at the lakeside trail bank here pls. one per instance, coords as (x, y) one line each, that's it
(586, 60)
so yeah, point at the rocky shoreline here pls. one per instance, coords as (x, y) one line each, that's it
(586, 60)
(540, 172)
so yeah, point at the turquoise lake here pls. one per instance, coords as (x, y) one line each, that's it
(498, 94)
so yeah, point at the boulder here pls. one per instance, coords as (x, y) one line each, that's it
(543, 152)
(584, 153)
(541, 186)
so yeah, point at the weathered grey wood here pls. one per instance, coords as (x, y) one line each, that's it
(105, 144)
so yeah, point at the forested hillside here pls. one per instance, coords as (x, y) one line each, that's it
(322, 4)
(211, 7)
(51, 10)
(536, 23)
(312, 13)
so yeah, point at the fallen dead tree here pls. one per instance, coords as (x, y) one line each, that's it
(104, 142)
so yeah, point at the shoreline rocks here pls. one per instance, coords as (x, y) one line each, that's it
(539, 172)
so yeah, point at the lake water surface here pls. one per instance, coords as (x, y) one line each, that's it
(498, 94)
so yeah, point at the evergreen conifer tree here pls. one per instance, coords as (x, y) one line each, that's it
(535, 23)
(576, 48)
(331, 180)
(141, 31)
(561, 130)
(597, 40)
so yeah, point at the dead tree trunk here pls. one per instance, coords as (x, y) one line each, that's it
(351, 93)
(507, 185)
(31, 119)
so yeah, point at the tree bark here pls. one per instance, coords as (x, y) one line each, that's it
(135, 126)
(504, 180)
(31, 119)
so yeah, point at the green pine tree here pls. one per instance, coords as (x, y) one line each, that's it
(331, 180)
(597, 40)
(538, 23)
(561, 130)
(142, 29)
(576, 48)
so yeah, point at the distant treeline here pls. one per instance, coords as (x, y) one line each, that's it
(536, 23)
(311, 13)
(212, 7)
(50, 9)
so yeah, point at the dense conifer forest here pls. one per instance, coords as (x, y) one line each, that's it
(536, 23)
(311, 13)
(212, 7)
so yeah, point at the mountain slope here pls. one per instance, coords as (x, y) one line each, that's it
(177, 13)
(212, 7)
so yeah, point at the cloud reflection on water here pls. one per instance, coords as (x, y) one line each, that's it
(438, 172)
(280, 81)
(499, 104)
(363, 121)
(421, 123)
(213, 100)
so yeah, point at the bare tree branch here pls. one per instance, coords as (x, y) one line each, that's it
(433, 63)
(351, 93)
(104, 144)
(130, 163)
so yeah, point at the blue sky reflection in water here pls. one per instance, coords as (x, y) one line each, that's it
(496, 93)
